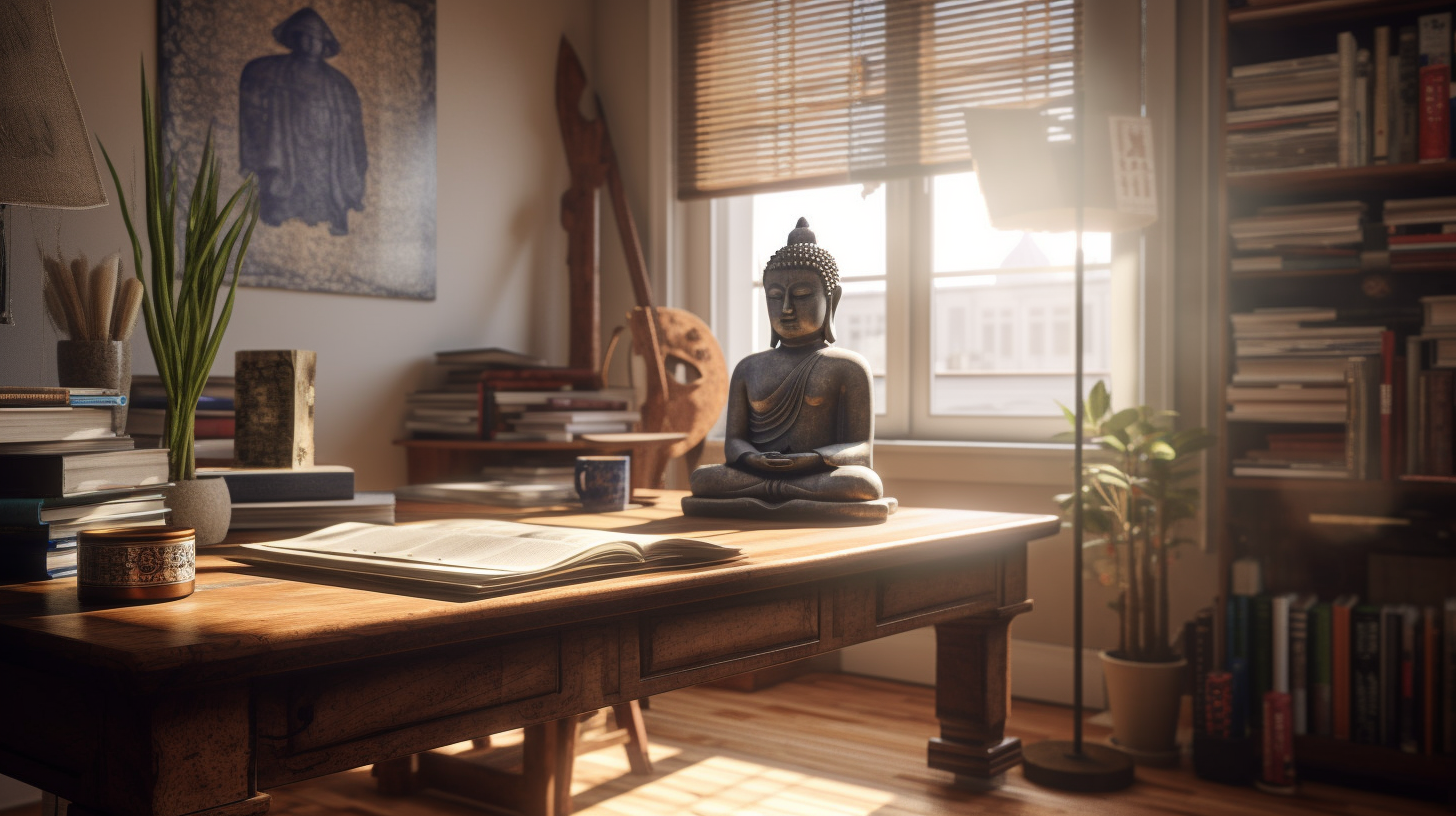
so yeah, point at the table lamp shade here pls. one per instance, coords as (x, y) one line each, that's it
(1030, 183)
(45, 151)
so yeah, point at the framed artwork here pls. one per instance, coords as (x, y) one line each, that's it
(330, 105)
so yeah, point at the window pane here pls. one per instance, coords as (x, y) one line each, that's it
(847, 223)
(1002, 344)
(1001, 311)
(965, 240)
(859, 324)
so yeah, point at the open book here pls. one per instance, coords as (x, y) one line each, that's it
(478, 557)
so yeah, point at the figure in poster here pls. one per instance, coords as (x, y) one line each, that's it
(301, 130)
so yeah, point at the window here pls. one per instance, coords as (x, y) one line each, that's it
(981, 330)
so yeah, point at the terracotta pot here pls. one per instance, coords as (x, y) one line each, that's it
(204, 505)
(1144, 698)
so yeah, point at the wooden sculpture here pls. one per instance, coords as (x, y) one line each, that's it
(668, 339)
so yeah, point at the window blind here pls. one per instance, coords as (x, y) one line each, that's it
(784, 94)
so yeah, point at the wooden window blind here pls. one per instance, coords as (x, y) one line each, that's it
(785, 94)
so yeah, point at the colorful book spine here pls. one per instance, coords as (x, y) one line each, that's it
(1341, 666)
(1365, 674)
(1199, 639)
(1278, 742)
(1389, 673)
(1410, 618)
(1345, 48)
(1448, 677)
(1434, 36)
(1218, 711)
(1380, 121)
(1261, 652)
(1237, 660)
(1429, 656)
(1321, 671)
(1299, 663)
(1387, 406)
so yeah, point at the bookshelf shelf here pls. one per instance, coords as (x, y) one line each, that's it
(1351, 11)
(1335, 760)
(1343, 487)
(1376, 180)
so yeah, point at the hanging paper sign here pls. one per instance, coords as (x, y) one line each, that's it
(1132, 164)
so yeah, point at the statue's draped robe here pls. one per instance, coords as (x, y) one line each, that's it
(775, 415)
(301, 132)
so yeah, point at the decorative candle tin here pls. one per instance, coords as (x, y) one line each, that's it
(136, 563)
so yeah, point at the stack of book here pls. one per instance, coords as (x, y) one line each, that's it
(1368, 673)
(1383, 97)
(1284, 115)
(518, 485)
(1421, 234)
(1299, 368)
(498, 394)
(1323, 236)
(316, 496)
(215, 420)
(559, 417)
(64, 470)
(1430, 398)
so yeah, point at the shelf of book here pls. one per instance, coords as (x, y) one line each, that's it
(1336, 231)
(1376, 180)
(1292, 12)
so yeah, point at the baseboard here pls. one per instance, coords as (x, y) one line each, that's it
(1039, 671)
(1043, 672)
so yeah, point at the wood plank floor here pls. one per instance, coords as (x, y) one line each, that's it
(836, 745)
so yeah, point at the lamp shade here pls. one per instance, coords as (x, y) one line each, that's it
(1030, 183)
(45, 152)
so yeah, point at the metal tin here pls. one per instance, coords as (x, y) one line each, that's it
(136, 563)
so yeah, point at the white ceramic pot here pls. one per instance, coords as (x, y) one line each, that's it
(204, 505)
(1144, 698)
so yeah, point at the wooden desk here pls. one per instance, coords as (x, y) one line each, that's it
(255, 681)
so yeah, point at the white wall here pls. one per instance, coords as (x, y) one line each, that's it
(501, 274)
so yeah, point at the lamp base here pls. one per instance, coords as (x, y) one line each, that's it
(1098, 769)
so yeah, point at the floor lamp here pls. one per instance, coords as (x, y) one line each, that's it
(45, 151)
(1034, 184)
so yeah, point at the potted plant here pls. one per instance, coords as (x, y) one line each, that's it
(180, 302)
(1135, 496)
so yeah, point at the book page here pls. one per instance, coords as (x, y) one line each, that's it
(485, 547)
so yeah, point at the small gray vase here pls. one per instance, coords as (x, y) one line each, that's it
(97, 364)
(204, 505)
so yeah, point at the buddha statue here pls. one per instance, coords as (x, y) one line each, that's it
(800, 426)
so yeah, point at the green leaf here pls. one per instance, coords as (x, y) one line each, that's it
(1098, 402)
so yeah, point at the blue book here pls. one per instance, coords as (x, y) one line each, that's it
(1236, 662)
(94, 400)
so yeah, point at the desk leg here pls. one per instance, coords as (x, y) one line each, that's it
(972, 697)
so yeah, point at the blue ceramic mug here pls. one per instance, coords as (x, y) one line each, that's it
(604, 483)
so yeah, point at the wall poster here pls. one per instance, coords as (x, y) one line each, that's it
(330, 104)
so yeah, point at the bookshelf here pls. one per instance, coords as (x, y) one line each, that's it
(1399, 530)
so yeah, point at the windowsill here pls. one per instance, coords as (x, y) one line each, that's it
(1040, 464)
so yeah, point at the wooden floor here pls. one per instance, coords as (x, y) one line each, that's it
(836, 745)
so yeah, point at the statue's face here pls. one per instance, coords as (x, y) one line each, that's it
(797, 303)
